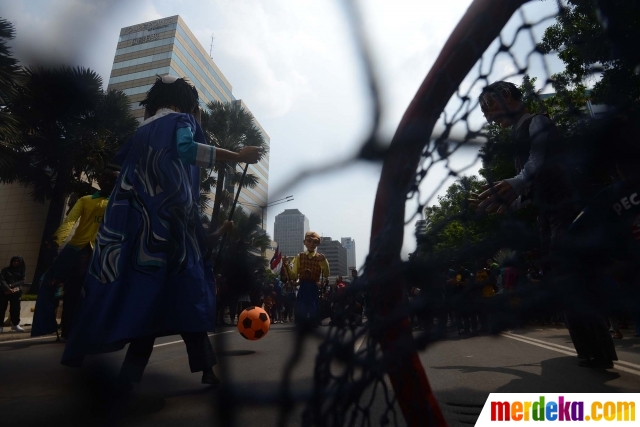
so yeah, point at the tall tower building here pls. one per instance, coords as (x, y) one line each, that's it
(336, 255)
(167, 46)
(289, 230)
(350, 245)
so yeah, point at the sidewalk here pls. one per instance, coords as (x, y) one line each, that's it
(9, 335)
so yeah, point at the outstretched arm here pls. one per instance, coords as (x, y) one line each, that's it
(324, 265)
(204, 155)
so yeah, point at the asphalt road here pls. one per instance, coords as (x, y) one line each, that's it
(35, 390)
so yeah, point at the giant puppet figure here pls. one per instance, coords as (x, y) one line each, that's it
(544, 178)
(309, 265)
(148, 276)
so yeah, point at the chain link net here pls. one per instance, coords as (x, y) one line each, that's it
(366, 373)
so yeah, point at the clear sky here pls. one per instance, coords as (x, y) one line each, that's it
(295, 66)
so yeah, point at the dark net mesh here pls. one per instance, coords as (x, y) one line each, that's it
(368, 373)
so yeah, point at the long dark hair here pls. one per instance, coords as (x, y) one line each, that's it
(169, 91)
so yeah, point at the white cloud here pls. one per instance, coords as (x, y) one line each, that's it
(72, 32)
(294, 64)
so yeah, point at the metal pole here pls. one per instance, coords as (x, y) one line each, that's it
(233, 208)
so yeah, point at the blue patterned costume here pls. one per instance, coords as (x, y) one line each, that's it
(148, 276)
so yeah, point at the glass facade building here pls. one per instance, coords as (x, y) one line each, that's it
(167, 46)
(350, 245)
(336, 255)
(289, 230)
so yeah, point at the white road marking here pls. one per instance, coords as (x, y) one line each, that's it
(179, 341)
(27, 339)
(50, 336)
(619, 364)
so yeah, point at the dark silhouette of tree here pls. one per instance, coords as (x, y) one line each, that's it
(70, 129)
(11, 77)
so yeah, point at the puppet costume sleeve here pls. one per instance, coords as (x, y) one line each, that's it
(324, 265)
(294, 267)
(191, 152)
(65, 228)
(148, 275)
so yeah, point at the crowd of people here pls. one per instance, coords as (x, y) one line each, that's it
(278, 297)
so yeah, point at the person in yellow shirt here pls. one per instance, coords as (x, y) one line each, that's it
(70, 266)
(484, 281)
(308, 266)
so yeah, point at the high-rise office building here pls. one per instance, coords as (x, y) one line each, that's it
(336, 255)
(289, 230)
(350, 245)
(167, 46)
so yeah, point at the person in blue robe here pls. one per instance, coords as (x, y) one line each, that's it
(149, 276)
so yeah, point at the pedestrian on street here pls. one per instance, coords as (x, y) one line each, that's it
(71, 264)
(464, 298)
(11, 281)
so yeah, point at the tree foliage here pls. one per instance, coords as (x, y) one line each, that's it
(11, 77)
(230, 127)
(593, 41)
(70, 130)
(586, 40)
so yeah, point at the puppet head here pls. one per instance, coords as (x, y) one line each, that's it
(170, 92)
(311, 240)
(501, 102)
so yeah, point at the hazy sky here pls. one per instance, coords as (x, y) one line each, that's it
(295, 66)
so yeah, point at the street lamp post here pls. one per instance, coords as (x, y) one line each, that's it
(268, 205)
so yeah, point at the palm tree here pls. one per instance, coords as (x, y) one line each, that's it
(11, 77)
(242, 253)
(71, 129)
(231, 127)
(207, 184)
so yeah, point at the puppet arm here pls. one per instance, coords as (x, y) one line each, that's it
(294, 268)
(204, 155)
(540, 130)
(64, 230)
(324, 265)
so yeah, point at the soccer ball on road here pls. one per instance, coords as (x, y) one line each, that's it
(253, 323)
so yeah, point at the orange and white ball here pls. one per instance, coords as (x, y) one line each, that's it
(253, 323)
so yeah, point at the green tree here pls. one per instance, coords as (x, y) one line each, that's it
(453, 230)
(450, 224)
(242, 252)
(11, 77)
(231, 127)
(71, 129)
(207, 185)
(247, 228)
(589, 40)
